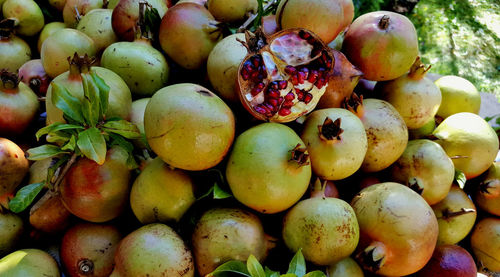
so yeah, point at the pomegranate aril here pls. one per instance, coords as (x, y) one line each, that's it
(274, 85)
(273, 102)
(300, 94)
(295, 80)
(273, 94)
(304, 35)
(301, 77)
(313, 76)
(287, 104)
(290, 96)
(308, 97)
(283, 84)
(260, 109)
(290, 70)
(256, 90)
(245, 74)
(256, 61)
(284, 112)
(260, 85)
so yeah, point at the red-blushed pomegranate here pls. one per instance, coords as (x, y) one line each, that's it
(97, 193)
(398, 229)
(449, 261)
(97, 25)
(49, 214)
(33, 74)
(89, 249)
(485, 243)
(48, 30)
(382, 44)
(414, 96)
(14, 166)
(336, 142)
(14, 51)
(269, 168)
(325, 18)
(348, 9)
(225, 234)
(153, 250)
(188, 126)
(11, 230)
(29, 262)
(488, 191)
(346, 267)
(74, 9)
(232, 11)
(18, 105)
(283, 76)
(27, 14)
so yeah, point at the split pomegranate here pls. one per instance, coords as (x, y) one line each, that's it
(284, 76)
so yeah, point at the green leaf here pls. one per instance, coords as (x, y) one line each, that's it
(90, 106)
(316, 273)
(58, 138)
(206, 194)
(103, 92)
(254, 267)
(24, 197)
(298, 264)
(70, 145)
(230, 269)
(288, 275)
(43, 152)
(54, 127)
(460, 178)
(70, 105)
(271, 273)
(124, 128)
(220, 193)
(53, 168)
(92, 144)
(119, 140)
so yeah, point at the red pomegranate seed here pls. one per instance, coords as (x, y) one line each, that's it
(256, 90)
(304, 35)
(261, 85)
(295, 80)
(300, 94)
(245, 74)
(260, 109)
(283, 84)
(274, 85)
(273, 102)
(284, 112)
(308, 97)
(273, 94)
(256, 60)
(290, 96)
(302, 76)
(287, 104)
(290, 70)
(313, 76)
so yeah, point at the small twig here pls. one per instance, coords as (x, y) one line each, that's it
(449, 214)
(60, 177)
(249, 21)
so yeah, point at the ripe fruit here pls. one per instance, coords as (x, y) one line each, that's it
(232, 11)
(27, 14)
(33, 75)
(345, 268)
(89, 249)
(29, 262)
(425, 168)
(382, 44)
(11, 229)
(97, 25)
(58, 4)
(188, 126)
(49, 214)
(137, 117)
(485, 243)
(161, 194)
(13, 166)
(14, 51)
(284, 76)
(336, 142)
(488, 191)
(449, 261)
(154, 250)
(74, 9)
(268, 169)
(459, 95)
(224, 234)
(470, 141)
(398, 229)
(48, 30)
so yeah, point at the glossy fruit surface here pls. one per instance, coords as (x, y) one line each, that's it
(29, 262)
(485, 243)
(449, 261)
(459, 95)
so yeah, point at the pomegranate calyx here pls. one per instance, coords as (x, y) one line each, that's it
(330, 130)
(8, 79)
(80, 64)
(418, 70)
(300, 155)
(354, 104)
(490, 188)
(384, 22)
(7, 28)
(416, 185)
(448, 214)
(85, 267)
(254, 41)
(372, 258)
(318, 188)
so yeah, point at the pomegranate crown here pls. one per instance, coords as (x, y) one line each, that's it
(80, 64)
(7, 28)
(9, 80)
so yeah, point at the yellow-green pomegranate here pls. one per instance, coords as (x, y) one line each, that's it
(345, 268)
(11, 229)
(485, 243)
(29, 262)
(459, 95)
(488, 191)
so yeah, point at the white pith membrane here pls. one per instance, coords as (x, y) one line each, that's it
(280, 88)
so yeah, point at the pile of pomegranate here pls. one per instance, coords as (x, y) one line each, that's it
(237, 138)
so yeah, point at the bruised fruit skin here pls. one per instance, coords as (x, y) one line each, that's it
(33, 75)
(49, 214)
(459, 95)
(232, 11)
(161, 194)
(11, 229)
(488, 192)
(14, 52)
(398, 229)
(88, 249)
(13, 166)
(28, 15)
(97, 193)
(224, 234)
(74, 9)
(29, 262)
(97, 25)
(382, 44)
(188, 126)
(48, 30)
(470, 141)
(154, 250)
(345, 268)
(449, 261)
(268, 169)
(485, 243)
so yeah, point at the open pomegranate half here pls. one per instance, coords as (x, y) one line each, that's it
(284, 75)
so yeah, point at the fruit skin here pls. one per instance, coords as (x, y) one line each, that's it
(471, 139)
(345, 268)
(487, 195)
(153, 250)
(33, 75)
(398, 230)
(58, 4)
(224, 234)
(18, 107)
(223, 64)
(13, 166)
(425, 168)
(27, 13)
(339, 157)
(14, 52)
(48, 30)
(449, 261)
(485, 243)
(11, 229)
(260, 170)
(188, 126)
(137, 117)
(325, 229)
(161, 194)
(63, 44)
(453, 229)
(49, 214)
(97, 193)
(29, 262)
(92, 246)
(97, 25)
(83, 7)
(459, 95)
(232, 11)
(381, 51)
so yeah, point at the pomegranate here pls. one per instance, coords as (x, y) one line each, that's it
(58, 4)
(415, 97)
(456, 215)
(89, 249)
(223, 64)
(154, 250)
(14, 51)
(224, 234)
(459, 95)
(18, 105)
(27, 15)
(188, 126)
(425, 168)
(48, 30)
(74, 9)
(398, 229)
(470, 141)
(423, 131)
(120, 99)
(329, 189)
(97, 25)
(188, 32)
(346, 267)
(336, 142)
(283, 76)
(97, 193)
(485, 243)
(161, 194)
(269, 168)
(38, 170)
(341, 83)
(325, 18)
(49, 214)
(233, 11)
(199, 2)
(14, 166)
(33, 74)
(137, 117)
(488, 191)
(449, 261)
(29, 262)
(63, 44)
(382, 44)
(11, 230)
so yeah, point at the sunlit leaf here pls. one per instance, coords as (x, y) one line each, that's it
(92, 144)
(25, 196)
